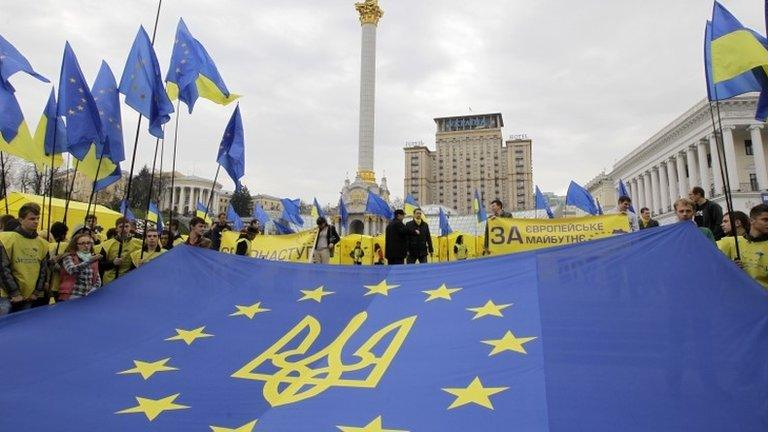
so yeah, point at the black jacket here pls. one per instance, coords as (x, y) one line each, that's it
(331, 236)
(710, 215)
(215, 234)
(396, 240)
(419, 244)
(651, 223)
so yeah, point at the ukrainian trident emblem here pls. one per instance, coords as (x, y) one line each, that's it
(308, 376)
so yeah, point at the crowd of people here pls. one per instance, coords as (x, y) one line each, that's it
(37, 268)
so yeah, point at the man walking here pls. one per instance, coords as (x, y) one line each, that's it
(327, 237)
(420, 240)
(396, 239)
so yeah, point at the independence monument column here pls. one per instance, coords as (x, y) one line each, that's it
(370, 13)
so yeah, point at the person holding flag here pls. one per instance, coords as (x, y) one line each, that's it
(214, 234)
(152, 249)
(116, 252)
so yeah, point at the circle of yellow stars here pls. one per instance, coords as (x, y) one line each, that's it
(474, 393)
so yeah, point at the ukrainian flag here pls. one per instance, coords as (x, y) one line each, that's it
(410, 205)
(735, 57)
(154, 215)
(317, 211)
(478, 209)
(201, 211)
(192, 72)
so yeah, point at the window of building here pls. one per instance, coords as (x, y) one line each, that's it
(753, 182)
(748, 148)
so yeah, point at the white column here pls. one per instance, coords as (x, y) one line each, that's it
(682, 184)
(367, 97)
(639, 197)
(672, 174)
(181, 198)
(730, 157)
(718, 178)
(663, 187)
(704, 177)
(647, 188)
(760, 167)
(655, 193)
(693, 170)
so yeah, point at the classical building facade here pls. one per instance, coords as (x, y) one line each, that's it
(268, 202)
(82, 187)
(603, 189)
(188, 191)
(684, 154)
(471, 154)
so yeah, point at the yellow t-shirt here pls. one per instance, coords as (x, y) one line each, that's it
(110, 248)
(26, 256)
(55, 274)
(754, 256)
(148, 256)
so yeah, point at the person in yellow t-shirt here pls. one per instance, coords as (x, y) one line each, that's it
(56, 252)
(150, 251)
(116, 259)
(753, 247)
(23, 258)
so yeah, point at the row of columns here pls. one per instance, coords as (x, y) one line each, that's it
(186, 196)
(660, 185)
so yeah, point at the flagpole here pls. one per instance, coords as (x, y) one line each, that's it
(720, 145)
(213, 188)
(135, 145)
(173, 163)
(149, 201)
(93, 191)
(53, 162)
(5, 191)
(69, 194)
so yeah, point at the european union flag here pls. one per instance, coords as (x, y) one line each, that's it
(575, 338)
(125, 209)
(581, 198)
(232, 215)
(445, 227)
(231, 154)
(543, 204)
(260, 215)
(142, 84)
(193, 73)
(343, 212)
(283, 227)
(292, 210)
(12, 61)
(11, 116)
(377, 206)
(77, 105)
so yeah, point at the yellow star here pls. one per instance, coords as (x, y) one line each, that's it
(147, 369)
(373, 426)
(249, 311)
(508, 343)
(489, 309)
(380, 288)
(441, 293)
(153, 408)
(248, 427)
(315, 294)
(474, 393)
(189, 336)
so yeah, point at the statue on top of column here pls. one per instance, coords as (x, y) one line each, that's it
(369, 11)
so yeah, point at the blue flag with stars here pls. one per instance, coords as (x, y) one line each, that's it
(77, 106)
(557, 339)
(231, 154)
(12, 61)
(377, 206)
(142, 84)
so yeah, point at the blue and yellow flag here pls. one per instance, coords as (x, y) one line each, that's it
(317, 211)
(478, 209)
(125, 209)
(343, 212)
(192, 72)
(445, 227)
(231, 155)
(142, 84)
(577, 338)
(409, 205)
(15, 138)
(201, 211)
(154, 215)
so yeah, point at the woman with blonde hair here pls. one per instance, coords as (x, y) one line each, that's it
(80, 268)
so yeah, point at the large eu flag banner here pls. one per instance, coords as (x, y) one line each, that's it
(577, 338)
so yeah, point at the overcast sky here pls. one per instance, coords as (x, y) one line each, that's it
(587, 80)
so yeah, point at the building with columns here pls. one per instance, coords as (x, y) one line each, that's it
(603, 189)
(188, 191)
(684, 154)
